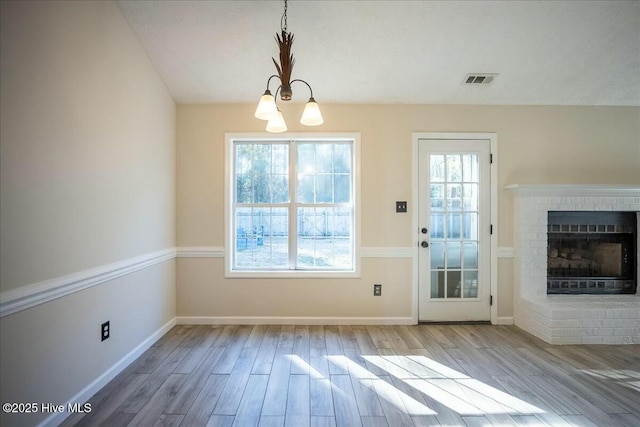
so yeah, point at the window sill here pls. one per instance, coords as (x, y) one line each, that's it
(294, 274)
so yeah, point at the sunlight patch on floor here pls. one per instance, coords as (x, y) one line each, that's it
(457, 391)
(304, 365)
(451, 388)
(625, 377)
(383, 389)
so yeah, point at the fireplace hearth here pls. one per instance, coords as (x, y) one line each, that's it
(591, 252)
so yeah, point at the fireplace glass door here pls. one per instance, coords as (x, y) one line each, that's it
(591, 252)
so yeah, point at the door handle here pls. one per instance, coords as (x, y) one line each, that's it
(424, 244)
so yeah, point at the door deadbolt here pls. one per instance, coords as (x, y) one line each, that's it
(424, 244)
(424, 230)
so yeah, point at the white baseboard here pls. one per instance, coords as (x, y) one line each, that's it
(504, 321)
(91, 389)
(267, 320)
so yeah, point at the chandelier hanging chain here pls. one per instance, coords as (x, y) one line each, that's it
(284, 18)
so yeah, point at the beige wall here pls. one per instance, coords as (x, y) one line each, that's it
(88, 149)
(536, 145)
(88, 179)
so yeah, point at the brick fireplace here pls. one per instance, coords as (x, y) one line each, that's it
(571, 317)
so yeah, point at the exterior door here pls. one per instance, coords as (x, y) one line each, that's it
(454, 230)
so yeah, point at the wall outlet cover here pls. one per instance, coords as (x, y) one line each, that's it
(377, 290)
(105, 330)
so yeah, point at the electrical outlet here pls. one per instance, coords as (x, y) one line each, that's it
(105, 330)
(401, 207)
(377, 290)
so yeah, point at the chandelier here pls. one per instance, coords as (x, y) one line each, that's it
(267, 108)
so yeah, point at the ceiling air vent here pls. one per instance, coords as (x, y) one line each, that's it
(479, 79)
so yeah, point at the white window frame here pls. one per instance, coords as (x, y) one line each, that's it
(229, 183)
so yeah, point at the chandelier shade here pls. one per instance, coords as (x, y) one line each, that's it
(267, 108)
(276, 124)
(311, 116)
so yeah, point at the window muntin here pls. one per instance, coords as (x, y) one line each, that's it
(292, 205)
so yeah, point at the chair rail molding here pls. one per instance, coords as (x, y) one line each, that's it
(386, 252)
(15, 300)
(506, 252)
(24, 297)
(200, 252)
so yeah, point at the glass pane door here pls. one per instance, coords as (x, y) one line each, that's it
(454, 255)
(453, 194)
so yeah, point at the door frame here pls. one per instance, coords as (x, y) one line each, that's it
(493, 268)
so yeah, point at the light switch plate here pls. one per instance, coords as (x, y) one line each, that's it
(401, 207)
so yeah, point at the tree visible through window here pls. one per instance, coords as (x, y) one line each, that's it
(292, 205)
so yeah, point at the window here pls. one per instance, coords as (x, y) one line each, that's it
(292, 205)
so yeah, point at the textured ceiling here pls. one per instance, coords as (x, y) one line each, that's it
(409, 52)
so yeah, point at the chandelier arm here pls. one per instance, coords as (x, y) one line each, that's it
(275, 98)
(308, 85)
(269, 80)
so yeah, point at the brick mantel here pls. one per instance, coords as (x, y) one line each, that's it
(567, 319)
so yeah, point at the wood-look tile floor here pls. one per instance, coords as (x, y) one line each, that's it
(427, 375)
